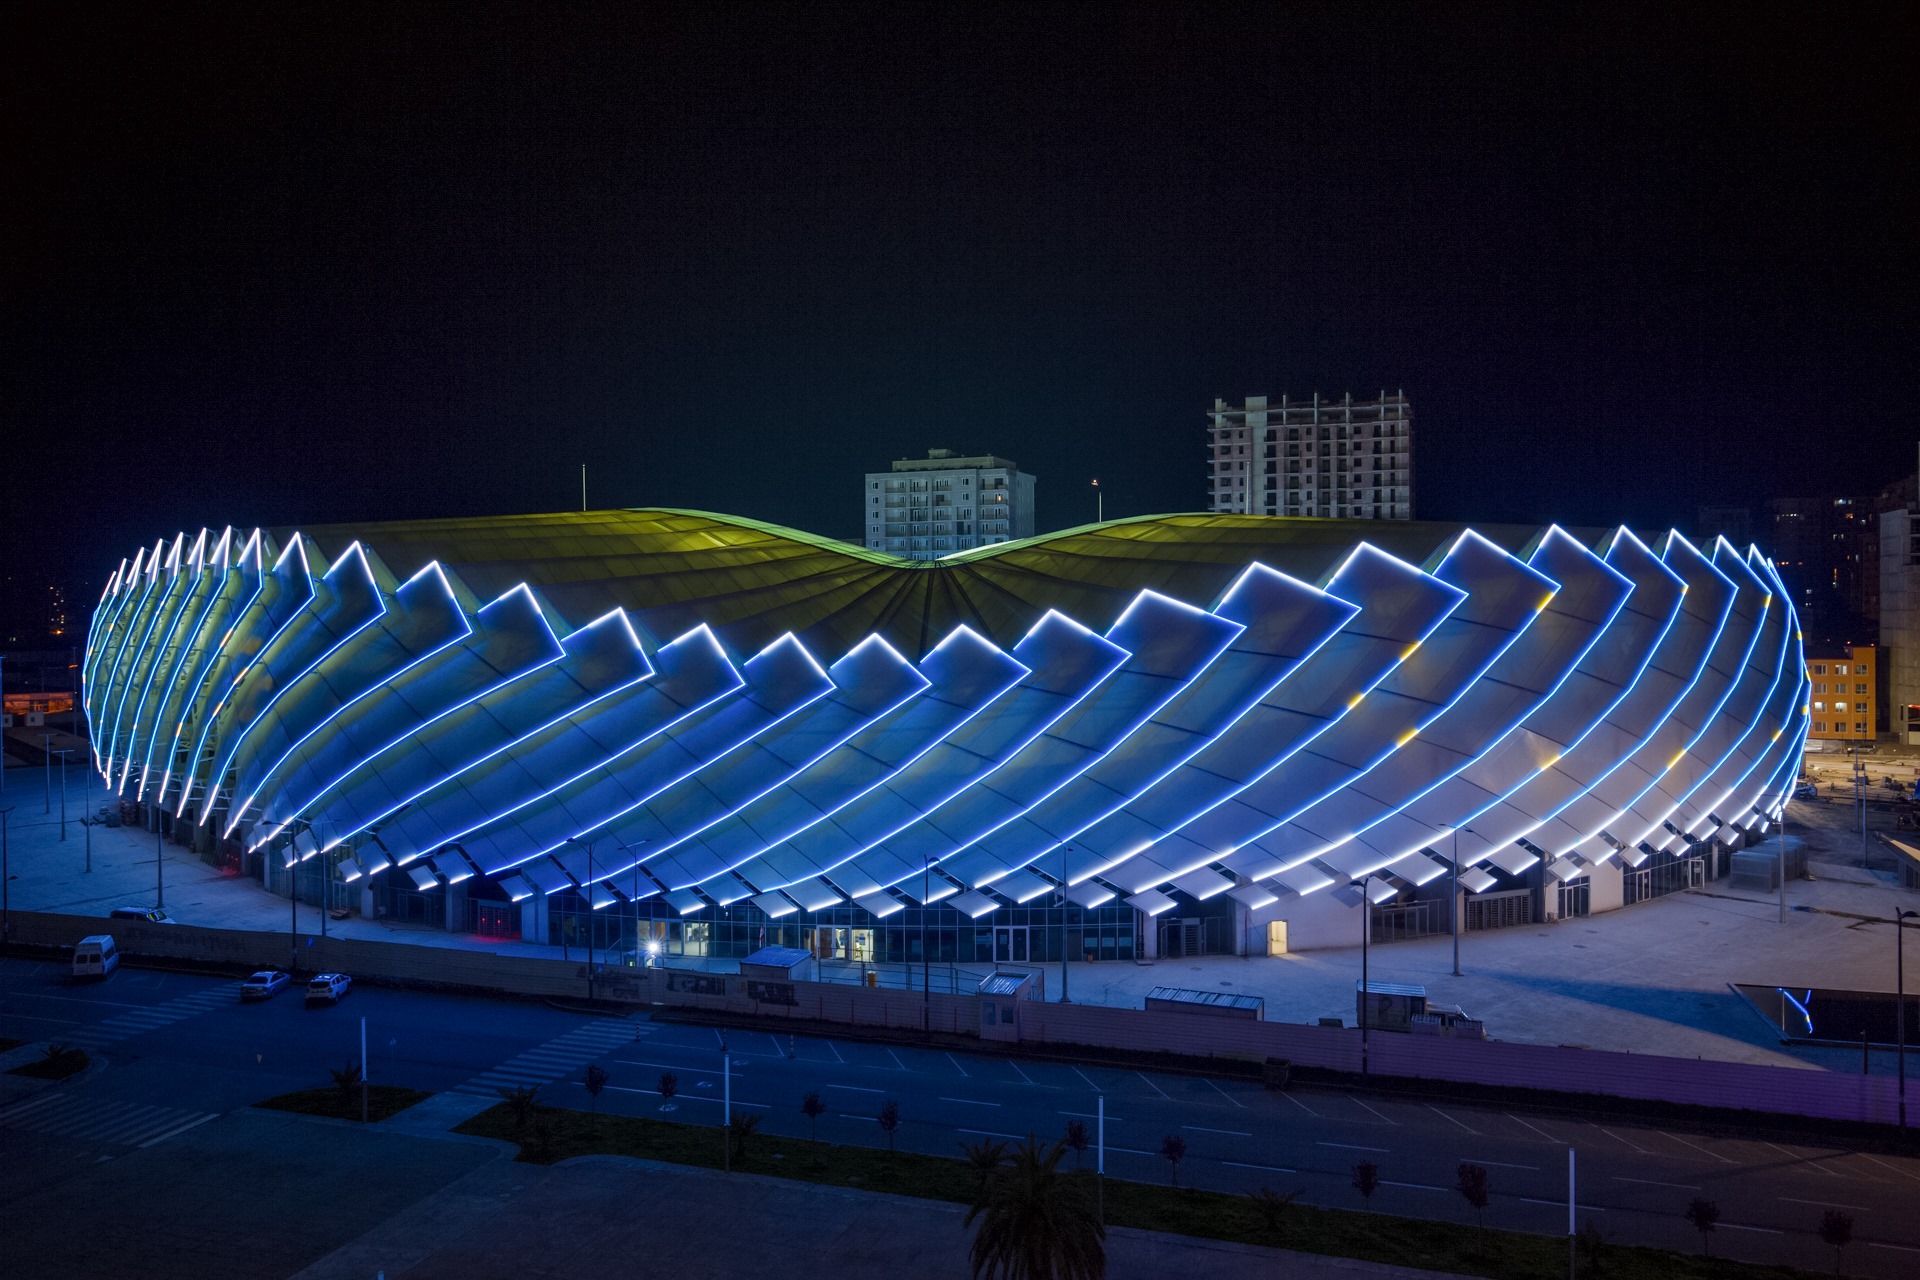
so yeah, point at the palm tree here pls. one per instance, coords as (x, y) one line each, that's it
(984, 1159)
(1173, 1149)
(741, 1129)
(521, 1104)
(1704, 1214)
(1036, 1223)
(889, 1120)
(813, 1109)
(1272, 1206)
(347, 1081)
(1077, 1142)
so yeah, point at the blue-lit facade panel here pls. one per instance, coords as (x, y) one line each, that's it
(1248, 713)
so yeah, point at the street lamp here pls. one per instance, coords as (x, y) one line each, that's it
(46, 757)
(588, 887)
(293, 828)
(1064, 903)
(1900, 1003)
(1453, 908)
(6, 883)
(63, 753)
(926, 960)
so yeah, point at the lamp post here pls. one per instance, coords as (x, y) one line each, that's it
(46, 756)
(1099, 504)
(588, 888)
(63, 753)
(926, 960)
(1366, 986)
(1782, 877)
(1063, 916)
(294, 828)
(6, 883)
(1900, 918)
(1453, 908)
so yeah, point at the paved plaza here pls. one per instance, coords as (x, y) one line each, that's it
(1653, 978)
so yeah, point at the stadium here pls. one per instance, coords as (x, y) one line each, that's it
(685, 734)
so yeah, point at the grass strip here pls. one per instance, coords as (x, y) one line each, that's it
(384, 1101)
(550, 1134)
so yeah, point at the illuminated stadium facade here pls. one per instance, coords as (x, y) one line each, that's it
(1147, 736)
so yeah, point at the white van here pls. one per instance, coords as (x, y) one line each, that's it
(95, 957)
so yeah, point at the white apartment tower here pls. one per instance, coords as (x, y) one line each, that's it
(925, 508)
(1344, 459)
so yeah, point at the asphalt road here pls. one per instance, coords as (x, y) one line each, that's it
(183, 1053)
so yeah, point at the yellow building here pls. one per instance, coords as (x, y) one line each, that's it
(1842, 694)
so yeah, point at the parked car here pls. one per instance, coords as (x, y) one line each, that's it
(264, 985)
(328, 987)
(152, 915)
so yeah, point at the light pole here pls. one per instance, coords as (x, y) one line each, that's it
(1782, 877)
(926, 960)
(46, 755)
(63, 753)
(293, 828)
(588, 889)
(6, 883)
(1063, 916)
(1900, 918)
(1453, 908)
(1366, 986)
(1099, 504)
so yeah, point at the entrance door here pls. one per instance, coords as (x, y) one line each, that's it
(1010, 944)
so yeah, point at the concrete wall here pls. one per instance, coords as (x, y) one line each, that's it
(1791, 1091)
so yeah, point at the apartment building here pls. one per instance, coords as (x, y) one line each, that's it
(1841, 694)
(1337, 459)
(926, 508)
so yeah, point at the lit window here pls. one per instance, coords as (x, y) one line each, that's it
(1839, 668)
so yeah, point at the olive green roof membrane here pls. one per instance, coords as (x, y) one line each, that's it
(752, 582)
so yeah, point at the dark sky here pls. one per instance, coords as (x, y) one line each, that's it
(326, 262)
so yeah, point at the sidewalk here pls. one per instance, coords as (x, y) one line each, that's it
(1652, 978)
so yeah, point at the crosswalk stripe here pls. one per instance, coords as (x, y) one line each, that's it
(30, 1105)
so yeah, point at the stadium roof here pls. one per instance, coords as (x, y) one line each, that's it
(752, 582)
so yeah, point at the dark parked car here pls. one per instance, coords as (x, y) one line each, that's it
(264, 985)
(153, 915)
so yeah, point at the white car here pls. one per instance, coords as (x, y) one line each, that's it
(328, 987)
(263, 985)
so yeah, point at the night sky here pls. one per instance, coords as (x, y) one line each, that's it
(280, 264)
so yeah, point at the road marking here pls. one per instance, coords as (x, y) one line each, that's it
(1083, 1075)
(836, 1054)
(957, 1067)
(1904, 1248)
(1266, 1168)
(1151, 1085)
(1821, 1204)
(1537, 1129)
(1649, 1182)
(1200, 1128)
(1530, 1168)
(1229, 1097)
(1089, 1115)
(855, 1088)
(1894, 1168)
(896, 1060)
(1023, 1075)
(1696, 1146)
(972, 1102)
(1590, 1208)
(1636, 1146)
(1303, 1106)
(1383, 1119)
(848, 1115)
(1765, 1231)
(1803, 1162)
(191, 1124)
(1443, 1115)
(990, 1133)
(1133, 1151)
(1348, 1146)
(1417, 1186)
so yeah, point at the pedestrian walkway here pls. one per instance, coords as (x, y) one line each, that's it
(109, 1120)
(135, 1022)
(558, 1058)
